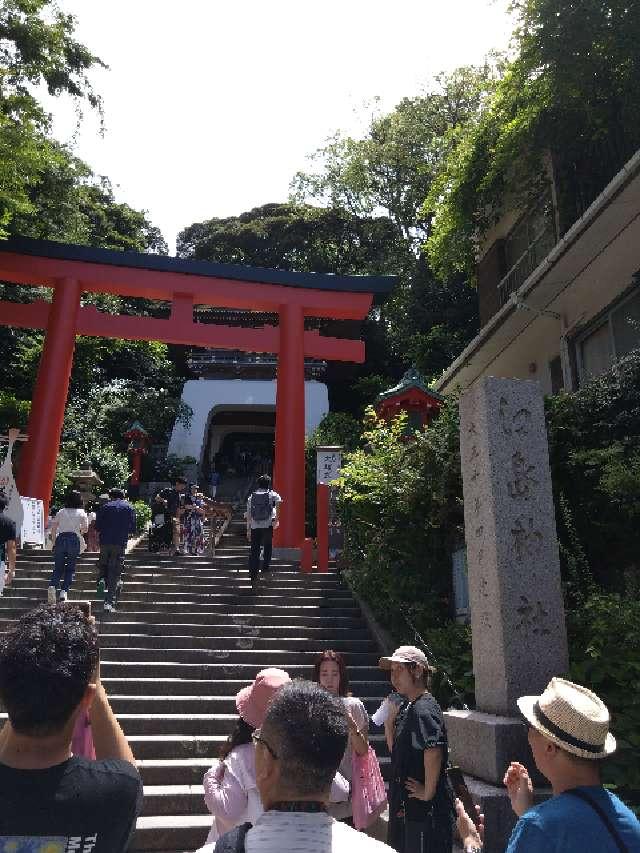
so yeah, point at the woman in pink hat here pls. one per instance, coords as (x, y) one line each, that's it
(230, 790)
(230, 785)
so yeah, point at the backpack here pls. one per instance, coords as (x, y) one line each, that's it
(234, 840)
(261, 506)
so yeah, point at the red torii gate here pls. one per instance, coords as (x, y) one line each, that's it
(71, 270)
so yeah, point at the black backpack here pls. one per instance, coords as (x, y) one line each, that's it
(233, 841)
(261, 506)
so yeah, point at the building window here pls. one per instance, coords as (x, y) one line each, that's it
(555, 372)
(614, 336)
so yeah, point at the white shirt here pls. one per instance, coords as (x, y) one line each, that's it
(275, 500)
(72, 521)
(234, 799)
(308, 832)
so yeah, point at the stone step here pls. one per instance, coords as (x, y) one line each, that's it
(187, 771)
(194, 704)
(175, 799)
(217, 671)
(324, 637)
(213, 577)
(163, 685)
(169, 833)
(181, 746)
(241, 642)
(258, 603)
(206, 620)
(229, 656)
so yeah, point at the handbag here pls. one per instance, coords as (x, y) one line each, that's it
(368, 794)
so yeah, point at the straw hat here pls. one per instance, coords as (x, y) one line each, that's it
(572, 717)
(406, 654)
(252, 701)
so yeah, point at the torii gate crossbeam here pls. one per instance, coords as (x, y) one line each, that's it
(72, 270)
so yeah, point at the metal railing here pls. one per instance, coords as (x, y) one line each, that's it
(532, 257)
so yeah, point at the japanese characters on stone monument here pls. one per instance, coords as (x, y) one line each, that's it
(517, 613)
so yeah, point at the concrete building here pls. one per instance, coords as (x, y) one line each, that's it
(233, 400)
(558, 310)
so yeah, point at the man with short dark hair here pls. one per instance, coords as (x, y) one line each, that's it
(7, 545)
(263, 510)
(49, 678)
(115, 522)
(297, 753)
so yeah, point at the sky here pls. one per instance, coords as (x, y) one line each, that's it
(211, 107)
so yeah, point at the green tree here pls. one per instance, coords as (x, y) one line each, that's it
(569, 95)
(37, 48)
(392, 167)
(295, 237)
(70, 204)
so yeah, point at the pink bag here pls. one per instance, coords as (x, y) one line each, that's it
(82, 740)
(368, 794)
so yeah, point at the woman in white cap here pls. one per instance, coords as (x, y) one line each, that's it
(569, 736)
(420, 797)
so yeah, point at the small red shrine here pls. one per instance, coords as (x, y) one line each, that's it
(138, 439)
(410, 395)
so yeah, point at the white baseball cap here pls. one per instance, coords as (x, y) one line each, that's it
(406, 654)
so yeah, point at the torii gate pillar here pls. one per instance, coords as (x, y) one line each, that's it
(289, 462)
(40, 456)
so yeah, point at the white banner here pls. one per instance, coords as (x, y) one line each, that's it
(33, 523)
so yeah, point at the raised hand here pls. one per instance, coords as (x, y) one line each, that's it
(519, 787)
(470, 835)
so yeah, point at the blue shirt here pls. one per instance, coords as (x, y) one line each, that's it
(114, 522)
(564, 824)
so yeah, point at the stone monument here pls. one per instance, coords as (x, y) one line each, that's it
(515, 595)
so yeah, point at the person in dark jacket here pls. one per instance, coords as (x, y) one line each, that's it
(420, 797)
(115, 522)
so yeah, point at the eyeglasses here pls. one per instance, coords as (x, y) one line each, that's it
(256, 737)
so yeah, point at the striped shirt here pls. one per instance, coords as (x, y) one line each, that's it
(307, 832)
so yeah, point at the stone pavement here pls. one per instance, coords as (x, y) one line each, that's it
(187, 635)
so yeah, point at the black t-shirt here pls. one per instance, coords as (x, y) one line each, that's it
(79, 805)
(7, 533)
(419, 726)
(172, 498)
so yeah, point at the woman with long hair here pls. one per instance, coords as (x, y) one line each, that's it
(330, 672)
(420, 797)
(68, 527)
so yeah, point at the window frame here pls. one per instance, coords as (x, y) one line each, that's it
(604, 318)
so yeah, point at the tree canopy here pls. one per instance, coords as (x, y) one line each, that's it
(567, 103)
(47, 192)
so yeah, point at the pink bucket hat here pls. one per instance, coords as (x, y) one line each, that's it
(252, 701)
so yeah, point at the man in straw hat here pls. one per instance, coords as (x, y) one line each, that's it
(569, 736)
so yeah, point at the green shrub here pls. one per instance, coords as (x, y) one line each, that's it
(604, 646)
(401, 507)
(143, 515)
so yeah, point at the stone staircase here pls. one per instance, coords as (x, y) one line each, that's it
(188, 633)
